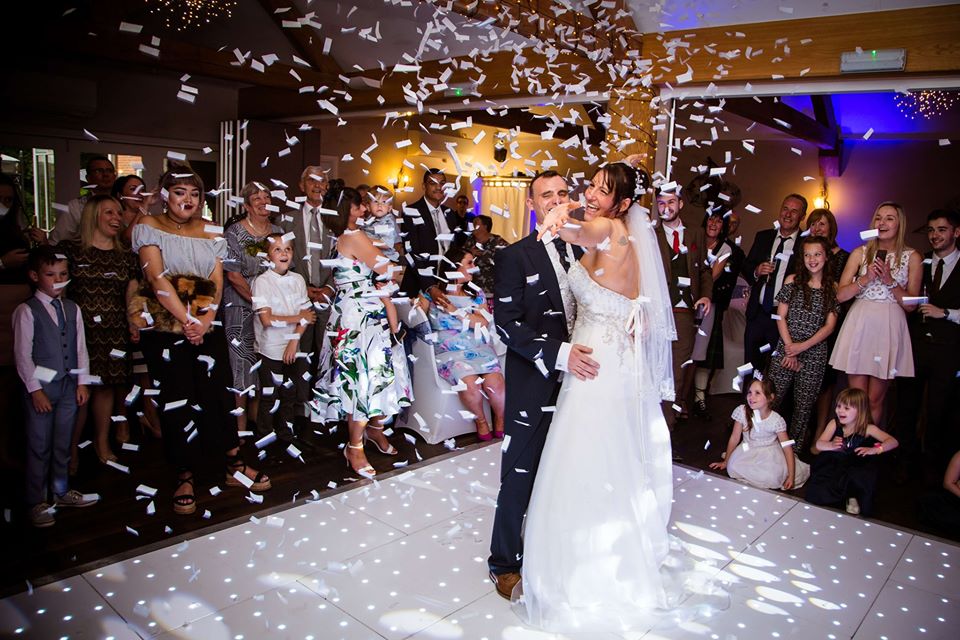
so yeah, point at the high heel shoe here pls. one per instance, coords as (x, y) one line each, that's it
(185, 503)
(367, 471)
(389, 451)
(483, 437)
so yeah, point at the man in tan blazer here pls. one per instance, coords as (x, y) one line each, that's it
(684, 253)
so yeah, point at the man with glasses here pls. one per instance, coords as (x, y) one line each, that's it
(101, 175)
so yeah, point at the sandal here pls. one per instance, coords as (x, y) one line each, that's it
(367, 471)
(185, 503)
(260, 482)
(389, 451)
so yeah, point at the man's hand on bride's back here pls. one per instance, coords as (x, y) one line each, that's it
(581, 364)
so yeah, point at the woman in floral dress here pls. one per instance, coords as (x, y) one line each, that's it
(363, 373)
(463, 346)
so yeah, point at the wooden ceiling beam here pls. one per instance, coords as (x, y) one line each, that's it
(306, 43)
(805, 48)
(189, 58)
(495, 78)
(776, 115)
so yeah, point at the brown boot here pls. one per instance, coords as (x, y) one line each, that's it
(505, 582)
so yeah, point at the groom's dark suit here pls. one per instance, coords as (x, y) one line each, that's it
(528, 311)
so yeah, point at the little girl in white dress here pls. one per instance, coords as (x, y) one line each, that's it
(762, 459)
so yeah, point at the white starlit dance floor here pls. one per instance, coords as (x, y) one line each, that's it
(406, 558)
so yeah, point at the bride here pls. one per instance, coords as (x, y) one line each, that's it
(596, 542)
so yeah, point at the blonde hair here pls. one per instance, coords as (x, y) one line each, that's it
(857, 399)
(900, 243)
(90, 219)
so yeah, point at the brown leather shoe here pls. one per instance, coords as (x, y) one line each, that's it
(505, 582)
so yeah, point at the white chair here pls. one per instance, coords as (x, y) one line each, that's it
(435, 401)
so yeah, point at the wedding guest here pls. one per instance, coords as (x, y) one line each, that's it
(181, 261)
(426, 227)
(935, 340)
(129, 191)
(873, 346)
(724, 258)
(806, 316)
(100, 177)
(463, 346)
(484, 246)
(104, 278)
(770, 260)
(845, 471)
(246, 253)
(764, 458)
(684, 254)
(380, 225)
(821, 223)
(463, 220)
(284, 312)
(941, 508)
(16, 236)
(48, 334)
(363, 372)
(312, 244)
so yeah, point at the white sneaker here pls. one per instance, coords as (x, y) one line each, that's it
(41, 516)
(74, 498)
(853, 507)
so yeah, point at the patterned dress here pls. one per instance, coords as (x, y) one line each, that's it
(98, 284)
(363, 374)
(238, 314)
(802, 323)
(460, 350)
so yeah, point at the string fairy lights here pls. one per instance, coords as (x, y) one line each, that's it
(181, 14)
(925, 104)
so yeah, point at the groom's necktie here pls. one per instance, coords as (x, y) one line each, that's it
(561, 247)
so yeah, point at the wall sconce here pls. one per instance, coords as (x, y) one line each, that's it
(821, 201)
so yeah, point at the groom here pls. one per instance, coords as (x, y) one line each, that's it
(534, 313)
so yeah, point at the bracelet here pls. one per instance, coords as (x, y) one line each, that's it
(856, 281)
(879, 446)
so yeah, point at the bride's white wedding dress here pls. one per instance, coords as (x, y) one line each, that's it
(596, 545)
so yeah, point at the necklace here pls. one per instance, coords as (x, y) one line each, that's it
(178, 225)
(256, 232)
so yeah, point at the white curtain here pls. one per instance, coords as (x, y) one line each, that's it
(505, 201)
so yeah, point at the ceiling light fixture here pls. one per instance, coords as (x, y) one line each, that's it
(182, 14)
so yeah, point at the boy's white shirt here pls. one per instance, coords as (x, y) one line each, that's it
(284, 295)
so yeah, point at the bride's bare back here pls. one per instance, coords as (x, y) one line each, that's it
(612, 263)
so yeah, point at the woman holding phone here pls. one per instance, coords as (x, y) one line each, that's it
(873, 345)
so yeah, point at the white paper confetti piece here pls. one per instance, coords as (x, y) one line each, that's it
(869, 233)
(869, 132)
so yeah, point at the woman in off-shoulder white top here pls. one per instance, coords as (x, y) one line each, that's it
(181, 256)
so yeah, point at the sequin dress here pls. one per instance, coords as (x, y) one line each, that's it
(98, 284)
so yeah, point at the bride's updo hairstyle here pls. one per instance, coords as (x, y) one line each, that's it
(624, 182)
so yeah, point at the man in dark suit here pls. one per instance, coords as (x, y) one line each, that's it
(534, 314)
(690, 280)
(427, 228)
(770, 260)
(935, 337)
(311, 244)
